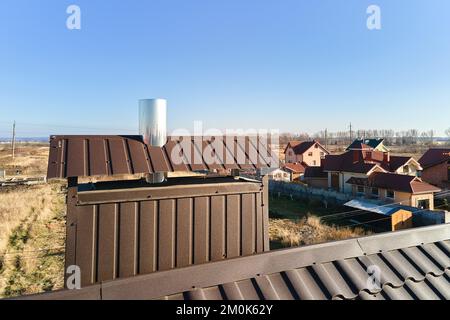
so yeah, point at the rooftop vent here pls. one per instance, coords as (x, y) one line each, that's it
(153, 128)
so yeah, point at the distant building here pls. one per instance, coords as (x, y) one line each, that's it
(396, 188)
(297, 170)
(309, 153)
(360, 161)
(368, 172)
(375, 144)
(436, 167)
(279, 175)
(315, 177)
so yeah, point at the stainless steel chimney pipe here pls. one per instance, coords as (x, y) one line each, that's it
(153, 128)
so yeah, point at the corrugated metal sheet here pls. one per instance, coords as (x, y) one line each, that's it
(129, 231)
(84, 156)
(414, 264)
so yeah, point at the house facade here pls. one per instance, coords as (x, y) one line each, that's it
(309, 153)
(395, 188)
(360, 161)
(436, 167)
(280, 175)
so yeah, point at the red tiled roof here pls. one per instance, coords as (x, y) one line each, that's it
(434, 156)
(393, 181)
(295, 167)
(351, 161)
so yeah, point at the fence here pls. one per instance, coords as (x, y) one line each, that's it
(298, 190)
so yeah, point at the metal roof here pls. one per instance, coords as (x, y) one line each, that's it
(84, 156)
(413, 264)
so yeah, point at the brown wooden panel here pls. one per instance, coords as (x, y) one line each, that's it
(248, 224)
(184, 232)
(86, 244)
(75, 158)
(97, 158)
(107, 242)
(201, 230)
(166, 241)
(128, 239)
(148, 236)
(259, 222)
(140, 162)
(218, 227)
(233, 226)
(119, 160)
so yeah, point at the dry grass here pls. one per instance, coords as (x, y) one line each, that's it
(310, 230)
(32, 221)
(30, 159)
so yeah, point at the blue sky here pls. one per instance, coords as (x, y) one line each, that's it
(293, 65)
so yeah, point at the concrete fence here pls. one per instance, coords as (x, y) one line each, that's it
(298, 190)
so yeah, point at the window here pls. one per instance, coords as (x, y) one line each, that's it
(322, 154)
(360, 189)
(310, 154)
(390, 194)
(406, 169)
(375, 192)
(314, 162)
(423, 204)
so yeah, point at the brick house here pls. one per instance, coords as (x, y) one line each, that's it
(436, 167)
(396, 188)
(309, 153)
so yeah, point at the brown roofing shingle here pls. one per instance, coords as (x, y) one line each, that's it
(295, 167)
(84, 156)
(393, 181)
(300, 147)
(315, 172)
(434, 156)
(413, 264)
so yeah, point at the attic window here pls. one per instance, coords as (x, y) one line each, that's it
(310, 154)
(406, 169)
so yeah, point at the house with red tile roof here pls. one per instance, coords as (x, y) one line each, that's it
(436, 167)
(309, 153)
(365, 171)
(397, 188)
(296, 170)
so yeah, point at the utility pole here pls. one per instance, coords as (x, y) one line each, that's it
(326, 138)
(13, 141)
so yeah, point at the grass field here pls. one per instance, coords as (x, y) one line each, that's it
(32, 235)
(296, 222)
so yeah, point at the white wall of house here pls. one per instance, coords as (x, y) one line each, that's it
(409, 169)
(280, 175)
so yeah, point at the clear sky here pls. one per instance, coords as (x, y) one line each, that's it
(293, 65)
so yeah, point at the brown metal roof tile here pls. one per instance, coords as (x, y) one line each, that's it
(83, 156)
(325, 271)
